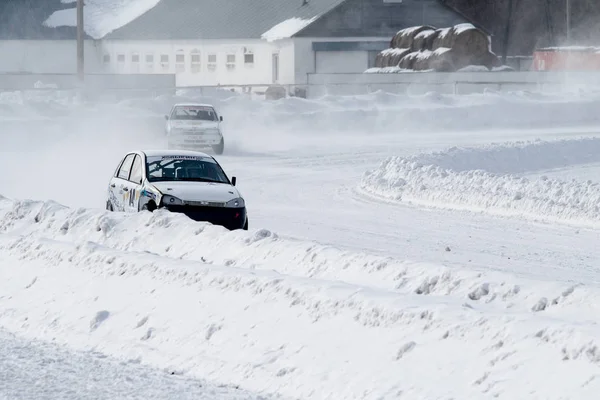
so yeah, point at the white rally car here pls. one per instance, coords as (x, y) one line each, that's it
(194, 126)
(188, 182)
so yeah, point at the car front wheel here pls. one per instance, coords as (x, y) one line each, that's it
(219, 148)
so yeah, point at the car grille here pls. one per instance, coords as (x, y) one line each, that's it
(230, 218)
(204, 204)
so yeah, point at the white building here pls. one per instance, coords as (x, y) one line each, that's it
(223, 42)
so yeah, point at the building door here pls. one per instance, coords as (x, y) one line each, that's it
(275, 67)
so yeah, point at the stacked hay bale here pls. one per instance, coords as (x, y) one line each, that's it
(423, 48)
(390, 57)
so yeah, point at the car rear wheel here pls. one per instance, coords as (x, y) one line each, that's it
(219, 148)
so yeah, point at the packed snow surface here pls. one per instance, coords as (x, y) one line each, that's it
(101, 16)
(287, 28)
(339, 290)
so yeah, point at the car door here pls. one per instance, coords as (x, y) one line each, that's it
(119, 185)
(133, 186)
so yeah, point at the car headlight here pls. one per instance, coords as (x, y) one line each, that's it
(171, 201)
(236, 203)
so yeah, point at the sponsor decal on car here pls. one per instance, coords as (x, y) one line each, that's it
(148, 194)
(183, 158)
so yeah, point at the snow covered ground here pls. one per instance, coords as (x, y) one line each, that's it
(33, 370)
(394, 242)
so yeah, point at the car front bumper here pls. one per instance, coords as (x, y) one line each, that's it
(194, 138)
(230, 218)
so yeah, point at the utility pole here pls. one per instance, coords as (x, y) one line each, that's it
(80, 34)
(568, 12)
(507, 31)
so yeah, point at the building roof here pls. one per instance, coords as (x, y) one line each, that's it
(24, 20)
(223, 19)
(376, 18)
(220, 19)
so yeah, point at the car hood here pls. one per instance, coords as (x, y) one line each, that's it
(198, 191)
(194, 124)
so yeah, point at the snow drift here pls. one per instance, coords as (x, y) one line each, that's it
(483, 179)
(268, 312)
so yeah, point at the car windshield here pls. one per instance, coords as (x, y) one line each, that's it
(184, 168)
(202, 113)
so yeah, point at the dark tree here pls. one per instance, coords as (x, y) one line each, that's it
(534, 23)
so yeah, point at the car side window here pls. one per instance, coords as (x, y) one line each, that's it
(125, 167)
(136, 170)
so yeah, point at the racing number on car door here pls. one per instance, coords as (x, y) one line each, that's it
(135, 180)
(122, 182)
(132, 198)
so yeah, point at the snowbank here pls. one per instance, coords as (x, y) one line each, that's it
(483, 179)
(268, 313)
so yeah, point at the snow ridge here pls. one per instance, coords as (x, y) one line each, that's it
(484, 179)
(266, 312)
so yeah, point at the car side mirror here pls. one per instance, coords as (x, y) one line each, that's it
(233, 180)
(167, 117)
(221, 118)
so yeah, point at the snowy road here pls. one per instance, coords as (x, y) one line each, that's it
(451, 256)
(31, 370)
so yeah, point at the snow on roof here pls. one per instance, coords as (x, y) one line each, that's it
(287, 28)
(101, 16)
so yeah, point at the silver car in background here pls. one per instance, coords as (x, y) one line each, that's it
(193, 126)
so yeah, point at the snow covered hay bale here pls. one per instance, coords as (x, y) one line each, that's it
(468, 40)
(489, 59)
(443, 38)
(390, 57)
(422, 60)
(442, 60)
(408, 60)
(424, 40)
(405, 37)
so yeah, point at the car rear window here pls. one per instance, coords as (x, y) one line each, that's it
(202, 113)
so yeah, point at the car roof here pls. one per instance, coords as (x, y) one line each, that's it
(160, 153)
(193, 105)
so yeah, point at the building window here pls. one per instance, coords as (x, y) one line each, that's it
(195, 61)
(212, 62)
(121, 62)
(179, 61)
(230, 61)
(164, 62)
(248, 58)
(149, 62)
(106, 59)
(135, 62)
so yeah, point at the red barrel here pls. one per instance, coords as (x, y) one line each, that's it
(566, 59)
